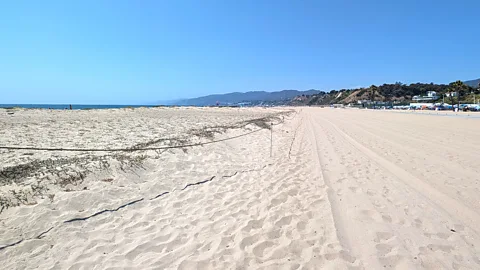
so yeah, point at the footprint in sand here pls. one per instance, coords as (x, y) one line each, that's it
(301, 225)
(317, 203)
(383, 249)
(369, 215)
(377, 204)
(444, 248)
(259, 249)
(248, 241)
(253, 224)
(341, 180)
(282, 198)
(345, 255)
(275, 234)
(391, 261)
(355, 189)
(387, 218)
(442, 236)
(283, 221)
(418, 222)
(383, 237)
(331, 256)
(293, 192)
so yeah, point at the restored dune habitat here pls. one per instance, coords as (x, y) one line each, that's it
(238, 188)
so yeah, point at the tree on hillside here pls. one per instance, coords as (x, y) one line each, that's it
(458, 87)
(373, 92)
(451, 90)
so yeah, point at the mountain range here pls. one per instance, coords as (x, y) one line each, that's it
(473, 83)
(255, 97)
(314, 96)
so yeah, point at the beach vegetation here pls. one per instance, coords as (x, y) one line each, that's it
(397, 92)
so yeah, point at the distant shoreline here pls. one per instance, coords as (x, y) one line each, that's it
(76, 106)
(101, 107)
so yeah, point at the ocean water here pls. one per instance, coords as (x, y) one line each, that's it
(74, 106)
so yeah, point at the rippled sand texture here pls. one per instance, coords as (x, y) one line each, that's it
(344, 189)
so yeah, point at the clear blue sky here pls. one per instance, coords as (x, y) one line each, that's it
(134, 52)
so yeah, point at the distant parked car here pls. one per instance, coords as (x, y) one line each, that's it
(463, 107)
(474, 108)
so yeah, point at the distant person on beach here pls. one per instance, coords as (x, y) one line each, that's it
(70, 106)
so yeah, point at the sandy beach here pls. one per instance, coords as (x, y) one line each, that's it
(339, 189)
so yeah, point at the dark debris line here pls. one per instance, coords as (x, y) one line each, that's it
(12, 244)
(198, 183)
(160, 195)
(226, 176)
(104, 211)
(41, 235)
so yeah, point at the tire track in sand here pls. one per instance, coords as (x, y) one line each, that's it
(396, 223)
(439, 199)
(339, 222)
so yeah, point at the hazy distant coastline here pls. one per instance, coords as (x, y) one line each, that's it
(74, 106)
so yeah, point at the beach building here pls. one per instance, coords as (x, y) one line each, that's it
(431, 95)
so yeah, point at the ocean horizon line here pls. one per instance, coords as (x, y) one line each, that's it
(80, 106)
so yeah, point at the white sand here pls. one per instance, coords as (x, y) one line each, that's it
(360, 190)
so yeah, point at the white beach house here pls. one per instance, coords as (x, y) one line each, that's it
(431, 95)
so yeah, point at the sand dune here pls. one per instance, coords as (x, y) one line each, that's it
(344, 189)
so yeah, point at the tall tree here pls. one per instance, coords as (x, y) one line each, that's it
(373, 93)
(460, 88)
(450, 92)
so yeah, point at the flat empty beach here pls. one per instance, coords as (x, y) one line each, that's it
(322, 189)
